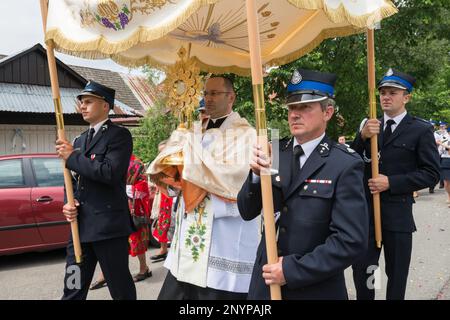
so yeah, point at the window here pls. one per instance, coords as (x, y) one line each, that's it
(49, 172)
(11, 174)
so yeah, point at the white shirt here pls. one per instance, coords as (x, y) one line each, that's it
(397, 120)
(308, 148)
(442, 137)
(98, 126)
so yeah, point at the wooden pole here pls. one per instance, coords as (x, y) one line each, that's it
(61, 133)
(261, 128)
(374, 139)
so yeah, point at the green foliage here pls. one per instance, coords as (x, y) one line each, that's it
(154, 128)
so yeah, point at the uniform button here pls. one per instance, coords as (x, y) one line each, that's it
(82, 202)
(285, 209)
(82, 188)
(315, 191)
(283, 230)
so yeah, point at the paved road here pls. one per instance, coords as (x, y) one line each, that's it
(40, 275)
(429, 275)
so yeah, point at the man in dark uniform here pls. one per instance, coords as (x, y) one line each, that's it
(318, 195)
(408, 161)
(99, 159)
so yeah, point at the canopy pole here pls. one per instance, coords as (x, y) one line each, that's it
(61, 133)
(374, 139)
(261, 128)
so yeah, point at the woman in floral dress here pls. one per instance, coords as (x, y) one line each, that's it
(164, 218)
(162, 226)
(139, 196)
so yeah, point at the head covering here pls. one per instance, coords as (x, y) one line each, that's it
(136, 171)
(397, 79)
(98, 90)
(310, 86)
(442, 123)
(201, 105)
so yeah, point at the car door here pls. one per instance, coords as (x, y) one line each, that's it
(48, 199)
(18, 229)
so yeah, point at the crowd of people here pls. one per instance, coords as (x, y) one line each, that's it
(207, 206)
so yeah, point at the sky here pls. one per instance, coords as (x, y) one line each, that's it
(21, 28)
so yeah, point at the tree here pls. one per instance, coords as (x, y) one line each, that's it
(155, 127)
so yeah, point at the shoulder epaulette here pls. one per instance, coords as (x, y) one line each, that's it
(421, 120)
(345, 149)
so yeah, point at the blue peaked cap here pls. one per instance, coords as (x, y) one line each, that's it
(201, 105)
(397, 79)
(309, 86)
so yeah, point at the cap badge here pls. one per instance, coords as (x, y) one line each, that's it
(390, 72)
(92, 156)
(296, 77)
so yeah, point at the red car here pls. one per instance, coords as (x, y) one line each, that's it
(31, 201)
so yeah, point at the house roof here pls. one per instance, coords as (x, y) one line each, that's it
(144, 91)
(133, 91)
(113, 80)
(30, 66)
(38, 99)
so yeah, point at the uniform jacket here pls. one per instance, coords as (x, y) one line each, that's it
(410, 160)
(323, 225)
(100, 172)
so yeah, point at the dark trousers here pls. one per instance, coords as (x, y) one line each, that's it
(397, 256)
(173, 289)
(112, 255)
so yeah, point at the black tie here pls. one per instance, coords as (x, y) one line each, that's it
(298, 152)
(90, 136)
(388, 130)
